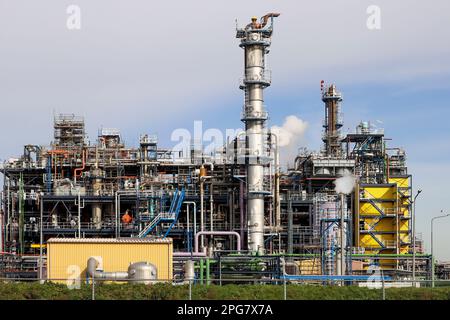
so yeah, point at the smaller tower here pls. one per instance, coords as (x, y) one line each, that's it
(333, 121)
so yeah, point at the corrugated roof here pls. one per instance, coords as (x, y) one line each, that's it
(109, 240)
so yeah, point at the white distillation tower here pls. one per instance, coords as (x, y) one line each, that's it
(256, 40)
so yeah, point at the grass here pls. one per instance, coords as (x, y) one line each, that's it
(52, 291)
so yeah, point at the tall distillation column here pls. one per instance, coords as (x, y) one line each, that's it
(333, 121)
(255, 40)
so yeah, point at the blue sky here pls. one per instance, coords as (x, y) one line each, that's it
(155, 66)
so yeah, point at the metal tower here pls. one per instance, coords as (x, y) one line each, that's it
(255, 40)
(333, 121)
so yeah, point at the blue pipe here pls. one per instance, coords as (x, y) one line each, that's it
(335, 277)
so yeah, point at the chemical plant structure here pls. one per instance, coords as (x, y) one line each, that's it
(231, 216)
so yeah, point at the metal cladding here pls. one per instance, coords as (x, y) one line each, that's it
(255, 40)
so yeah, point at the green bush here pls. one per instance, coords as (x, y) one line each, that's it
(164, 291)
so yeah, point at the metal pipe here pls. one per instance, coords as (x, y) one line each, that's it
(92, 265)
(241, 209)
(75, 172)
(414, 236)
(116, 213)
(189, 254)
(432, 255)
(41, 236)
(342, 237)
(8, 213)
(1, 220)
(210, 164)
(187, 222)
(201, 212)
(218, 233)
(208, 281)
(211, 207)
(79, 215)
(194, 214)
(290, 243)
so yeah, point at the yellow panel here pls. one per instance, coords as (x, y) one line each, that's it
(65, 257)
(392, 200)
(379, 192)
(401, 182)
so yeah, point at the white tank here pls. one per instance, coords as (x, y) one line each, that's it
(189, 270)
(142, 272)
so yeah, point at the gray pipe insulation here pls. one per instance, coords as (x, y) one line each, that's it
(140, 272)
(92, 265)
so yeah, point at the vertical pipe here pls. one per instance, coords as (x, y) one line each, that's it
(290, 224)
(188, 234)
(118, 210)
(116, 215)
(202, 241)
(208, 278)
(41, 236)
(2, 210)
(241, 208)
(201, 270)
(414, 242)
(277, 186)
(79, 214)
(432, 255)
(342, 236)
(8, 212)
(211, 207)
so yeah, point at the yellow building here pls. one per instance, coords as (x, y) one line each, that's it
(67, 257)
(382, 219)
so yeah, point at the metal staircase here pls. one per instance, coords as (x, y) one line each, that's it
(169, 217)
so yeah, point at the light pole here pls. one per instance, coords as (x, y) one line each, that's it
(414, 236)
(432, 255)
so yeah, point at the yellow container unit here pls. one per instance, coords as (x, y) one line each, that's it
(67, 257)
(382, 219)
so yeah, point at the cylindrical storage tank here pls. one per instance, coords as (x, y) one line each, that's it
(189, 270)
(142, 272)
(97, 215)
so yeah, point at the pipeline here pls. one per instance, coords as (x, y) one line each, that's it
(140, 272)
(92, 271)
(75, 172)
(196, 252)
(218, 233)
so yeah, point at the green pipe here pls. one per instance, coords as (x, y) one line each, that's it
(208, 278)
(201, 271)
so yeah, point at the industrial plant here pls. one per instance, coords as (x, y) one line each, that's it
(149, 212)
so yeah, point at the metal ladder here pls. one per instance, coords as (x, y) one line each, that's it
(170, 216)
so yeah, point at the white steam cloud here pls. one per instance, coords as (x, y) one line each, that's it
(290, 135)
(346, 183)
